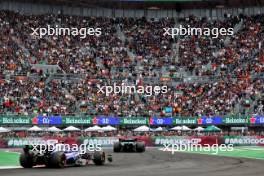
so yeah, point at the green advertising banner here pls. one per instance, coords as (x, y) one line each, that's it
(9, 120)
(134, 121)
(235, 120)
(76, 120)
(185, 121)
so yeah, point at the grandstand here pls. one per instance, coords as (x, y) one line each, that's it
(59, 75)
(183, 79)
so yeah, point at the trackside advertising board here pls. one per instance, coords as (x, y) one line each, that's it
(156, 141)
(109, 120)
(244, 140)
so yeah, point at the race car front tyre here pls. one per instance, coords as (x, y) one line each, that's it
(57, 160)
(140, 147)
(26, 160)
(99, 158)
(117, 147)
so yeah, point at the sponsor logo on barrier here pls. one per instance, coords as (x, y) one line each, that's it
(104, 142)
(164, 141)
(20, 142)
(244, 141)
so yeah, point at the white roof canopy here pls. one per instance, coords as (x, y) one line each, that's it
(185, 128)
(53, 129)
(199, 129)
(4, 130)
(181, 128)
(94, 128)
(177, 128)
(35, 128)
(71, 128)
(142, 128)
(109, 128)
(158, 129)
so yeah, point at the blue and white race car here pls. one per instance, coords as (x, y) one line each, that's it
(31, 157)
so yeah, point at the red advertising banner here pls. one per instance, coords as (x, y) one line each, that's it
(155, 141)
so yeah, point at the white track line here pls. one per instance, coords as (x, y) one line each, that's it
(10, 167)
(247, 148)
(12, 152)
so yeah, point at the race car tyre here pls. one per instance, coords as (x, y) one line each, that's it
(99, 158)
(117, 147)
(140, 147)
(57, 160)
(26, 160)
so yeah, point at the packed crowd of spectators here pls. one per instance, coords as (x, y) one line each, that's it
(228, 70)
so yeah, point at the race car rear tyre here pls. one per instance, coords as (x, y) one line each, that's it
(140, 147)
(99, 158)
(57, 160)
(117, 147)
(26, 160)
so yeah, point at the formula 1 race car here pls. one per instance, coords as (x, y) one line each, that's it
(59, 159)
(129, 145)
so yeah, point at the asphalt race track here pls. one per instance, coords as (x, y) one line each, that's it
(155, 163)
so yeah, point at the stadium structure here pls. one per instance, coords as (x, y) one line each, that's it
(92, 71)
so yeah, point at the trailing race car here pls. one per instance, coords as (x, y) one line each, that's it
(129, 145)
(58, 159)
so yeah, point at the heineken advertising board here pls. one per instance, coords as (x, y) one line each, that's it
(134, 121)
(76, 120)
(109, 120)
(185, 121)
(7, 120)
(235, 120)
